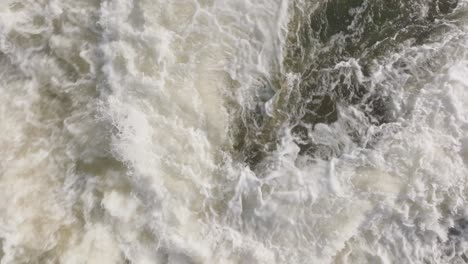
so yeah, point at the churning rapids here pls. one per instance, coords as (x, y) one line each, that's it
(233, 131)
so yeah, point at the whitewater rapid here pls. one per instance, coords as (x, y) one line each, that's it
(215, 131)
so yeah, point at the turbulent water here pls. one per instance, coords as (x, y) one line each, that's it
(233, 131)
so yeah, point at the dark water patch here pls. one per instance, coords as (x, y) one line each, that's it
(1, 248)
(335, 49)
(443, 7)
(453, 248)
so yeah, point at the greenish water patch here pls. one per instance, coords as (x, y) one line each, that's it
(334, 48)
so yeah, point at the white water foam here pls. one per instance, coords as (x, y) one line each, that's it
(116, 122)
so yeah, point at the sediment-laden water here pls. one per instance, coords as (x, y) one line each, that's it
(215, 131)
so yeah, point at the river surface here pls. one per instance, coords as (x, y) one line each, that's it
(233, 131)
